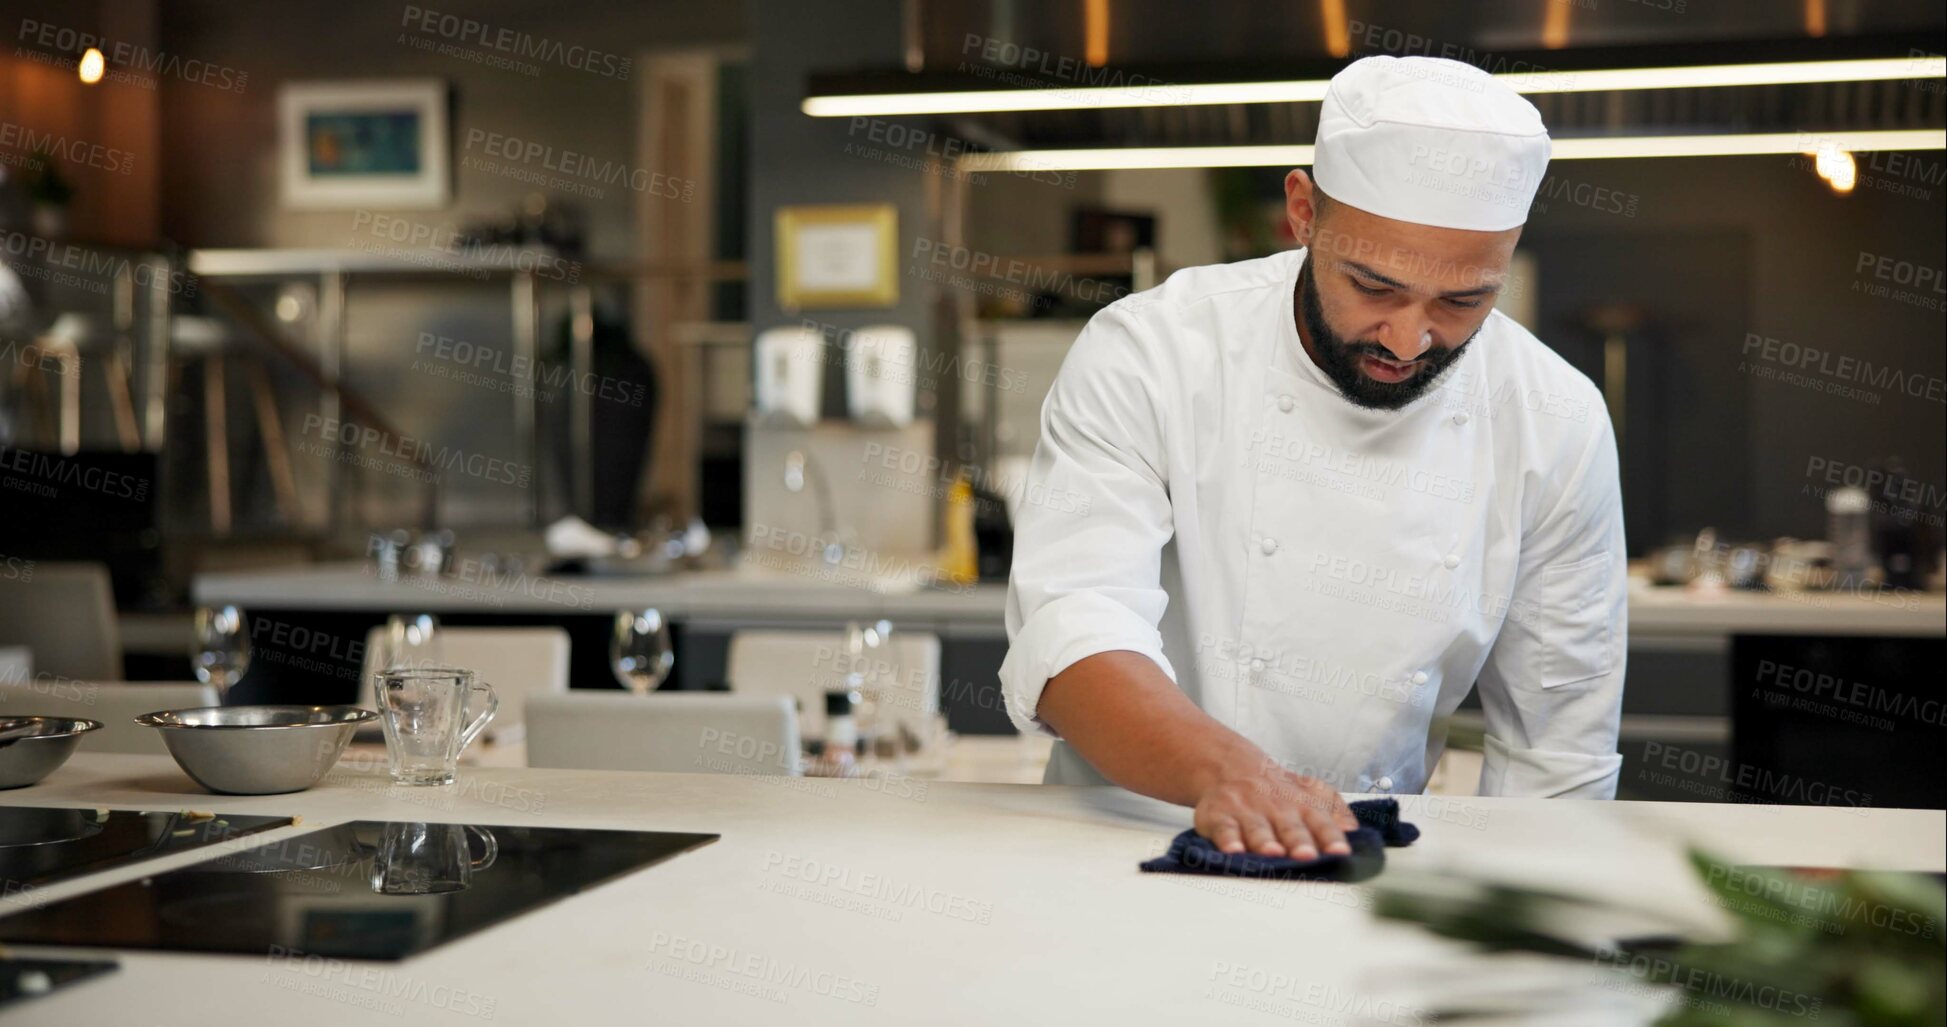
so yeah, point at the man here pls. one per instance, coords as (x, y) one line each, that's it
(1308, 502)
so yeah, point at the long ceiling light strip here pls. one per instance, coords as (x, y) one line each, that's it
(1163, 94)
(1746, 144)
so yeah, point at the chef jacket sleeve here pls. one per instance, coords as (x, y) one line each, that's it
(1552, 685)
(1092, 519)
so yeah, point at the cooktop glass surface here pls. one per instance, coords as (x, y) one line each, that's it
(364, 890)
(24, 979)
(42, 845)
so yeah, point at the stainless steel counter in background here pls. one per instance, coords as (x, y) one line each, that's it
(1680, 646)
(1660, 619)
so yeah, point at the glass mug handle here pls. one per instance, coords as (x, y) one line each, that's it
(490, 847)
(479, 723)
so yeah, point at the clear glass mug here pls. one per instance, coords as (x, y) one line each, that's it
(430, 859)
(424, 713)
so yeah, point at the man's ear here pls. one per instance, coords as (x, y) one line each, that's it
(1300, 205)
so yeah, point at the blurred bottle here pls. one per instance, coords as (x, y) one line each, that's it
(838, 753)
(960, 559)
(1896, 528)
(1848, 526)
(993, 535)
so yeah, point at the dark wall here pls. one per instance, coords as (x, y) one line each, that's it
(1742, 422)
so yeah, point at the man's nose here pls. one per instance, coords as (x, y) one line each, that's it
(1406, 340)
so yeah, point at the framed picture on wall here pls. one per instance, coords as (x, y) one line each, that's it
(368, 143)
(837, 255)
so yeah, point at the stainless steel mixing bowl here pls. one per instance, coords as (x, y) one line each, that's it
(257, 750)
(32, 747)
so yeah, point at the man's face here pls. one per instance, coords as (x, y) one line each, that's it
(1386, 306)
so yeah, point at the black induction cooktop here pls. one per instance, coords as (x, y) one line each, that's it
(42, 845)
(24, 979)
(364, 890)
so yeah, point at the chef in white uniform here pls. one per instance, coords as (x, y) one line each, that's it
(1286, 513)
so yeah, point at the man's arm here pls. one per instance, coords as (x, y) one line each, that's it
(1131, 722)
(1551, 689)
(1085, 659)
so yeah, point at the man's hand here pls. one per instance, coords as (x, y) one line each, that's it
(1128, 719)
(1273, 812)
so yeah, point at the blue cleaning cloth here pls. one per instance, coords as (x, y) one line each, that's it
(1379, 828)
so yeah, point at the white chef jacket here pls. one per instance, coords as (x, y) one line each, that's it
(1321, 578)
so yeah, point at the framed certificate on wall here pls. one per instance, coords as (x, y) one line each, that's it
(837, 255)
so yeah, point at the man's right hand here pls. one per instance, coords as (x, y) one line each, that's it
(1130, 721)
(1271, 811)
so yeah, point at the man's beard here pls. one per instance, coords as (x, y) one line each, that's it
(1339, 359)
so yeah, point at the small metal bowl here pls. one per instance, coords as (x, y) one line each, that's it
(257, 750)
(33, 747)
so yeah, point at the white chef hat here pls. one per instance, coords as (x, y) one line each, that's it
(1431, 141)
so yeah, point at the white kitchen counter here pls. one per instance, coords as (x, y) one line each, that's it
(1042, 916)
(813, 594)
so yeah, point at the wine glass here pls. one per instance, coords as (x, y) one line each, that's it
(867, 671)
(220, 653)
(641, 653)
(411, 642)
